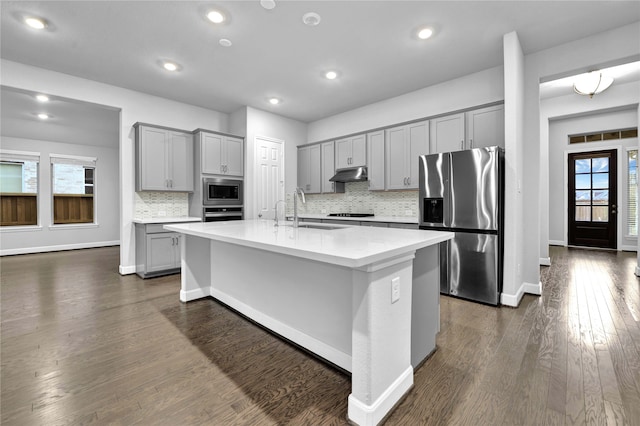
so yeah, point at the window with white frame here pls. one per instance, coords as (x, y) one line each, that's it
(73, 189)
(632, 192)
(18, 188)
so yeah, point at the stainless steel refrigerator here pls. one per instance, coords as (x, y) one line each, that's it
(463, 192)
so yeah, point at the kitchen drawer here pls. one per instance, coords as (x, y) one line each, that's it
(155, 228)
(376, 224)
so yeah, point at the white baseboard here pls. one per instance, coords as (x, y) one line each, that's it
(46, 249)
(198, 293)
(323, 350)
(127, 270)
(370, 415)
(557, 243)
(545, 261)
(629, 248)
(513, 300)
(637, 271)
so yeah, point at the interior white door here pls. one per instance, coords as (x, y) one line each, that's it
(269, 177)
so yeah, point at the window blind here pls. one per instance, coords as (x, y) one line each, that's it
(73, 160)
(8, 156)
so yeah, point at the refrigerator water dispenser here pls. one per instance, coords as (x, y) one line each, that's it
(433, 210)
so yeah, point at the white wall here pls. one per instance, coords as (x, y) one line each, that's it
(476, 89)
(559, 130)
(605, 49)
(133, 106)
(47, 237)
(267, 124)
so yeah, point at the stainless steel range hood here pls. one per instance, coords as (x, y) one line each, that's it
(351, 174)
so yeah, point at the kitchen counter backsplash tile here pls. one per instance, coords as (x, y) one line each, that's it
(158, 204)
(358, 199)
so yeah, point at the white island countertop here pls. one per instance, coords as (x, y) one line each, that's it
(350, 246)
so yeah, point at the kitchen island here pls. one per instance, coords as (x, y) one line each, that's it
(364, 299)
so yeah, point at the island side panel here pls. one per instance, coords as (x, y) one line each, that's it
(305, 301)
(381, 339)
(425, 309)
(196, 270)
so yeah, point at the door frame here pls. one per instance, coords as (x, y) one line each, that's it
(619, 176)
(281, 191)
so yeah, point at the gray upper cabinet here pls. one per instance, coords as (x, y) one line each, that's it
(477, 128)
(485, 127)
(221, 154)
(309, 172)
(164, 159)
(447, 133)
(403, 146)
(351, 152)
(328, 166)
(375, 160)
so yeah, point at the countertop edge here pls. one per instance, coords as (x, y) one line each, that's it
(179, 219)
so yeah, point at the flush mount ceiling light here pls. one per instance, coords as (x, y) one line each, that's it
(216, 17)
(43, 116)
(331, 75)
(274, 101)
(37, 23)
(591, 83)
(425, 33)
(170, 66)
(311, 19)
(225, 42)
(268, 4)
(42, 98)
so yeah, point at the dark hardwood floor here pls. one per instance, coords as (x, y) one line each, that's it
(81, 344)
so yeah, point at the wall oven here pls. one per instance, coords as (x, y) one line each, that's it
(221, 192)
(220, 214)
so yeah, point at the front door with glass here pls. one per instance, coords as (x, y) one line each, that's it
(592, 199)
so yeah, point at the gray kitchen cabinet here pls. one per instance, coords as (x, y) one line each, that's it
(404, 225)
(309, 171)
(477, 128)
(164, 159)
(351, 152)
(220, 154)
(328, 166)
(157, 250)
(485, 127)
(447, 133)
(375, 160)
(403, 146)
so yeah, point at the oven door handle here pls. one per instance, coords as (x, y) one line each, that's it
(227, 214)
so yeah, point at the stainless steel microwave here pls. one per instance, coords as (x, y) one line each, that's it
(222, 192)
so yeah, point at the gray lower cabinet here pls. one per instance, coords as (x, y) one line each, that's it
(157, 250)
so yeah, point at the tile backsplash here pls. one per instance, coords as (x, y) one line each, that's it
(358, 199)
(161, 204)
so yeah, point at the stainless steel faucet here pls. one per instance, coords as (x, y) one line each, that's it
(276, 209)
(295, 205)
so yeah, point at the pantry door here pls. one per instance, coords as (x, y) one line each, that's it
(593, 210)
(269, 177)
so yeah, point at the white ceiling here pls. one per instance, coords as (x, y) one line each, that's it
(372, 45)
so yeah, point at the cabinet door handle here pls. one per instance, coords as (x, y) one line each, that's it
(470, 143)
(409, 181)
(462, 144)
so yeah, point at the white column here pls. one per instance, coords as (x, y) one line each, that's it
(196, 268)
(381, 339)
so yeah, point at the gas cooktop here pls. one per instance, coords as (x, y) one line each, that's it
(351, 214)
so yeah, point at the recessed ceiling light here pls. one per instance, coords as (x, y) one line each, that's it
(268, 4)
(43, 116)
(225, 42)
(42, 98)
(37, 23)
(215, 16)
(170, 66)
(331, 75)
(312, 19)
(425, 33)
(274, 101)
